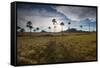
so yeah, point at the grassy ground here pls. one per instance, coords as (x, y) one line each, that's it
(37, 48)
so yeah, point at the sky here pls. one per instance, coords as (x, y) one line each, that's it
(41, 16)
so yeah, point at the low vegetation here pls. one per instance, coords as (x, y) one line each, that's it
(37, 48)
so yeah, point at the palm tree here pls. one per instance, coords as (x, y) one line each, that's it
(69, 25)
(30, 28)
(37, 28)
(81, 27)
(34, 30)
(22, 30)
(62, 24)
(49, 28)
(54, 23)
(89, 27)
(29, 25)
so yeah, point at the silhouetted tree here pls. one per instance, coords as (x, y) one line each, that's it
(37, 28)
(62, 24)
(49, 28)
(89, 27)
(69, 25)
(43, 31)
(34, 30)
(81, 27)
(29, 25)
(54, 23)
(22, 30)
(71, 30)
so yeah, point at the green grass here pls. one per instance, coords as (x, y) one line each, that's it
(36, 48)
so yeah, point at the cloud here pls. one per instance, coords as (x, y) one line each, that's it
(77, 13)
(41, 15)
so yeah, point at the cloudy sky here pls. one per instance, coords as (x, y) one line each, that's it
(41, 16)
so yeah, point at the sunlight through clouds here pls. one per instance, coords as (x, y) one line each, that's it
(41, 16)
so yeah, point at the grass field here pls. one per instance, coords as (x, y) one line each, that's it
(37, 48)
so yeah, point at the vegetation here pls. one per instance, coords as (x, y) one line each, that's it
(69, 25)
(49, 28)
(37, 28)
(62, 24)
(29, 25)
(54, 47)
(54, 24)
(36, 47)
(81, 27)
(22, 30)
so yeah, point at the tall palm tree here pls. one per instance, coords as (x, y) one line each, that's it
(69, 25)
(29, 25)
(49, 28)
(30, 28)
(54, 23)
(81, 27)
(62, 24)
(89, 27)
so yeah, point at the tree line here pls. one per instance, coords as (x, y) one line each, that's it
(29, 25)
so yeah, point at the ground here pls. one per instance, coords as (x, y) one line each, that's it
(37, 48)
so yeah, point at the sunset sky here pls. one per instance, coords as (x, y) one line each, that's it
(41, 16)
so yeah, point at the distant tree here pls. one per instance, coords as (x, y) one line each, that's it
(62, 24)
(72, 30)
(54, 23)
(43, 31)
(34, 30)
(69, 25)
(49, 28)
(22, 30)
(94, 28)
(29, 25)
(81, 27)
(89, 27)
(37, 28)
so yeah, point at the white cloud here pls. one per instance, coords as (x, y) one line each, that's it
(77, 13)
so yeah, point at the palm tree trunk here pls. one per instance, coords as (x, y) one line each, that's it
(89, 27)
(62, 28)
(69, 27)
(30, 33)
(49, 30)
(81, 29)
(30, 30)
(54, 28)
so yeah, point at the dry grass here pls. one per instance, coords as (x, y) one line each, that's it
(37, 48)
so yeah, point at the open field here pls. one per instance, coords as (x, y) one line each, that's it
(37, 48)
